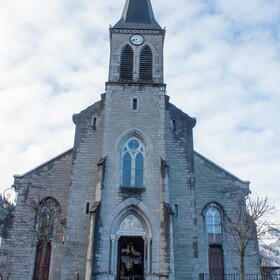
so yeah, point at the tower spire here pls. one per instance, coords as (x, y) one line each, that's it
(138, 14)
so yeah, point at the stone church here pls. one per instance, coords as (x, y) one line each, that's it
(134, 199)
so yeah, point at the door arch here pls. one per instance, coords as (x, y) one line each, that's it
(131, 218)
(130, 226)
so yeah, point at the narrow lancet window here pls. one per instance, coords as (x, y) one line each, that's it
(134, 104)
(133, 164)
(146, 64)
(126, 67)
(214, 225)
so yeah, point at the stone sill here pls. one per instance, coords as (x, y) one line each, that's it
(132, 189)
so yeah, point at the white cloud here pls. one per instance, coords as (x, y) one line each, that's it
(222, 65)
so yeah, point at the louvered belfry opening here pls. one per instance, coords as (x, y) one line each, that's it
(126, 71)
(146, 65)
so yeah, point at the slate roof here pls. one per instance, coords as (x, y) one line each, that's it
(138, 14)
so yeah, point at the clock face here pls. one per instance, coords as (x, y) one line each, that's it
(136, 39)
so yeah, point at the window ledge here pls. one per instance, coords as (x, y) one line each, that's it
(132, 189)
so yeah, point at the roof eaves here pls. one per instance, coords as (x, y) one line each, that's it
(19, 176)
(221, 168)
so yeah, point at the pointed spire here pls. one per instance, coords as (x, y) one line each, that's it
(138, 14)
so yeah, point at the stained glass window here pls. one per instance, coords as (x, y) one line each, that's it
(133, 163)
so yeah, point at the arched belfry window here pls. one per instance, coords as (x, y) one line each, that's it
(133, 163)
(146, 64)
(214, 224)
(126, 68)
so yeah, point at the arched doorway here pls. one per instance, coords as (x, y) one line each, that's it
(131, 258)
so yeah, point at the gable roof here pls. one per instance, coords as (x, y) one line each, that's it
(220, 168)
(36, 169)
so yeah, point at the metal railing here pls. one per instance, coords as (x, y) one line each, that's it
(264, 276)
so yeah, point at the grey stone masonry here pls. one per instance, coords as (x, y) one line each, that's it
(179, 158)
(48, 180)
(136, 200)
(218, 186)
(86, 155)
(119, 38)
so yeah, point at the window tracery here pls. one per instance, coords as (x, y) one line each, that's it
(214, 224)
(133, 163)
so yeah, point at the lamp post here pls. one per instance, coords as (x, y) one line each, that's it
(10, 196)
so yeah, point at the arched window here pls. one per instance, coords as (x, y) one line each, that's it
(213, 221)
(146, 64)
(214, 225)
(133, 163)
(126, 68)
(48, 217)
(49, 228)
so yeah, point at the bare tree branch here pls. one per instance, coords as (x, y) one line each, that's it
(43, 223)
(249, 223)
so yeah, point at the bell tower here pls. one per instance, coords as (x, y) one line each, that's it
(133, 144)
(136, 46)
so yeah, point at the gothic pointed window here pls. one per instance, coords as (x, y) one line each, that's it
(213, 222)
(214, 225)
(146, 64)
(49, 228)
(49, 212)
(126, 68)
(133, 163)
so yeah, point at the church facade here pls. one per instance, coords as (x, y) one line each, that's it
(135, 200)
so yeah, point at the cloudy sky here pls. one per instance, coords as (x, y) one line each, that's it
(222, 66)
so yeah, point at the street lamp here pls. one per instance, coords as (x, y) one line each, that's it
(10, 196)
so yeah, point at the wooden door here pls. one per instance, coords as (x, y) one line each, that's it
(47, 261)
(216, 263)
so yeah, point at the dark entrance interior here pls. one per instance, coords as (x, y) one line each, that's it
(130, 258)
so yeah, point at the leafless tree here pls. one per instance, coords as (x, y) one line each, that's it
(248, 224)
(5, 271)
(43, 222)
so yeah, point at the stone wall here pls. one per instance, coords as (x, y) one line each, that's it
(49, 180)
(216, 185)
(179, 158)
(83, 180)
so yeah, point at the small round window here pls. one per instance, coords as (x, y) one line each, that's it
(133, 144)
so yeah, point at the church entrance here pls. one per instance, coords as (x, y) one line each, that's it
(216, 263)
(131, 258)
